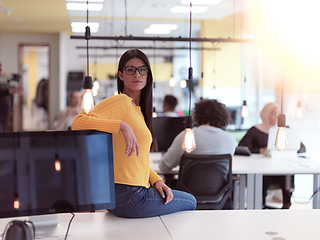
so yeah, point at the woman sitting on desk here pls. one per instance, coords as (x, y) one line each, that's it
(139, 191)
(212, 118)
(256, 139)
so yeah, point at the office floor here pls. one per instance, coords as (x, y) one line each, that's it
(274, 199)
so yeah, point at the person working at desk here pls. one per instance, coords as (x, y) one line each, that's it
(256, 139)
(212, 118)
(65, 117)
(140, 192)
(169, 104)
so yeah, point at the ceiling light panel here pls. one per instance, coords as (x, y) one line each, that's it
(186, 9)
(160, 28)
(201, 2)
(81, 26)
(84, 6)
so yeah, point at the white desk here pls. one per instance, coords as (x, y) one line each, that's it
(106, 226)
(244, 225)
(201, 225)
(251, 170)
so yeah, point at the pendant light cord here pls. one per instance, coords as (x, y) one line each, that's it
(87, 38)
(190, 69)
(126, 18)
(282, 98)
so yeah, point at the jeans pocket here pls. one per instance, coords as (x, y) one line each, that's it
(126, 210)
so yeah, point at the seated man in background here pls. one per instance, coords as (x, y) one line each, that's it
(212, 118)
(169, 104)
(64, 120)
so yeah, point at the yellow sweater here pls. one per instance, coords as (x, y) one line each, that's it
(106, 117)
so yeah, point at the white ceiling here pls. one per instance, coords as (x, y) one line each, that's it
(51, 16)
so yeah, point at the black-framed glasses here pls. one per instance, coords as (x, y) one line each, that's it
(131, 70)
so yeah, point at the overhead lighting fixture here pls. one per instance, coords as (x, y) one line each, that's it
(79, 26)
(281, 142)
(83, 6)
(160, 28)
(156, 31)
(189, 142)
(185, 9)
(201, 2)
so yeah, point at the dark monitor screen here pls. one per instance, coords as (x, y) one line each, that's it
(166, 129)
(236, 118)
(54, 172)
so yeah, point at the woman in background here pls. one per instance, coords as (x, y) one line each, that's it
(140, 192)
(256, 139)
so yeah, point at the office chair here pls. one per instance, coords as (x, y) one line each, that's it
(208, 178)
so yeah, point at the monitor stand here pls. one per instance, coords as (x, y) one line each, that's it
(48, 227)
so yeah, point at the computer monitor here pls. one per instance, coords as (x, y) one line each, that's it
(166, 129)
(55, 172)
(236, 118)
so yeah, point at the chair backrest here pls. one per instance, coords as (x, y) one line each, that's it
(166, 129)
(207, 177)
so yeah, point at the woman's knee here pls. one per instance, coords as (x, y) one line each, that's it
(188, 199)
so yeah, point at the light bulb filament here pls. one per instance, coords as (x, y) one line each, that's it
(188, 143)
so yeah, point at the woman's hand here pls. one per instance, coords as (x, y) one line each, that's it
(131, 140)
(164, 190)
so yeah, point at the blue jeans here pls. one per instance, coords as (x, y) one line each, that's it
(141, 202)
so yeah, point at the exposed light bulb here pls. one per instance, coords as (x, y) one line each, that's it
(244, 110)
(96, 84)
(172, 82)
(299, 110)
(87, 101)
(57, 164)
(183, 83)
(16, 204)
(154, 113)
(94, 92)
(281, 139)
(188, 142)
(281, 142)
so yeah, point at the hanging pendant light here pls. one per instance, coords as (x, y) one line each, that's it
(57, 163)
(172, 81)
(96, 84)
(244, 110)
(87, 102)
(16, 203)
(281, 142)
(189, 142)
(299, 110)
(154, 112)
